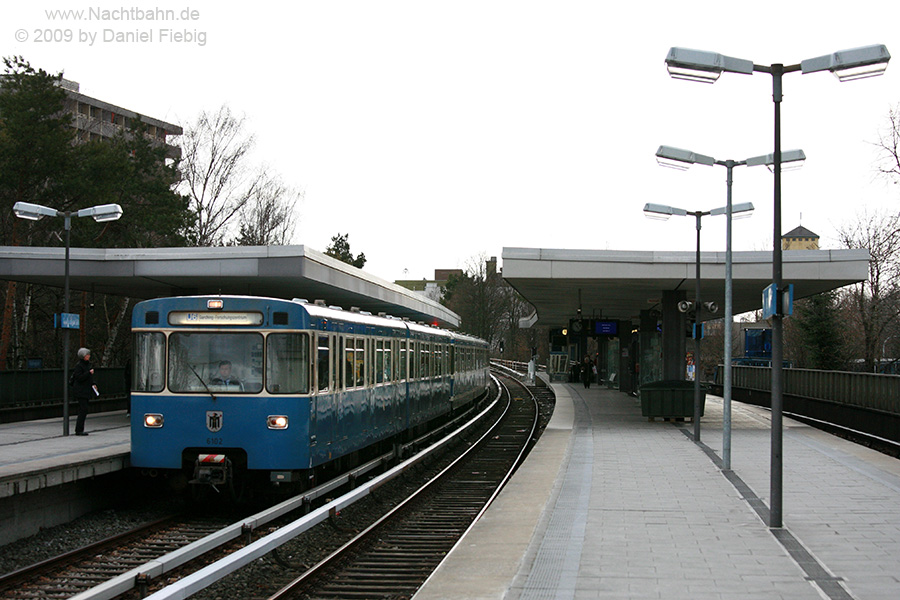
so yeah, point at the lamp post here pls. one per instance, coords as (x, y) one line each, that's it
(846, 65)
(677, 158)
(35, 212)
(661, 211)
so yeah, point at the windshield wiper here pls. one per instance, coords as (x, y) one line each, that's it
(203, 383)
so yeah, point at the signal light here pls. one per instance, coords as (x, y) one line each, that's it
(153, 421)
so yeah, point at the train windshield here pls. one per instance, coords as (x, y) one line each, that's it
(215, 362)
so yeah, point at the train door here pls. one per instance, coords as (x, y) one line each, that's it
(339, 390)
(425, 396)
(402, 400)
(373, 394)
(412, 399)
(452, 370)
(322, 416)
(377, 384)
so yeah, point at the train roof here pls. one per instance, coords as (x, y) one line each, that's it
(336, 313)
(339, 314)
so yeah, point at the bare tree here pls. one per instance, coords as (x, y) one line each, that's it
(269, 216)
(484, 301)
(216, 174)
(874, 304)
(888, 147)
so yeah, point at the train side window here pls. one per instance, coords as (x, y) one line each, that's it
(395, 360)
(453, 360)
(149, 362)
(287, 363)
(359, 364)
(402, 360)
(388, 364)
(323, 363)
(436, 360)
(339, 363)
(349, 359)
(421, 373)
(419, 360)
(379, 361)
(370, 361)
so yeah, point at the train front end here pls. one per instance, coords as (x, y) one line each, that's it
(220, 391)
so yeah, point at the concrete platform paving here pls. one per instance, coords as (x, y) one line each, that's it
(35, 454)
(610, 505)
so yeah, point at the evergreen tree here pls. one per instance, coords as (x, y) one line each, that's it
(42, 162)
(340, 249)
(133, 172)
(35, 142)
(819, 324)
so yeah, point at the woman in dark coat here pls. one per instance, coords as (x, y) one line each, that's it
(83, 387)
(587, 371)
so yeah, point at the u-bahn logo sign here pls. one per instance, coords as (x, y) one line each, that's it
(214, 420)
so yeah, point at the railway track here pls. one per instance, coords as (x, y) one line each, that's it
(396, 554)
(80, 570)
(131, 565)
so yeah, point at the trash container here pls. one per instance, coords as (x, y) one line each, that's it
(670, 399)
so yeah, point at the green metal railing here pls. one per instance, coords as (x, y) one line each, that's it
(45, 386)
(866, 390)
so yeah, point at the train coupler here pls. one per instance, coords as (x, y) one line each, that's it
(211, 469)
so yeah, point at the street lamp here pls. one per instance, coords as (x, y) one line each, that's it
(663, 212)
(678, 158)
(846, 65)
(35, 212)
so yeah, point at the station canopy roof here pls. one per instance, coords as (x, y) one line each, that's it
(275, 271)
(618, 285)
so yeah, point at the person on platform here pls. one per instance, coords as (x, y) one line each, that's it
(587, 371)
(83, 387)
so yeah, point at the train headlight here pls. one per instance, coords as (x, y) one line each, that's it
(153, 420)
(277, 422)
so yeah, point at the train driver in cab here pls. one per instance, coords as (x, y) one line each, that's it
(225, 377)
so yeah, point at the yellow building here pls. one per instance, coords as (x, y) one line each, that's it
(800, 238)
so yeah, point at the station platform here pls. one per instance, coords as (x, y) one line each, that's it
(611, 505)
(34, 455)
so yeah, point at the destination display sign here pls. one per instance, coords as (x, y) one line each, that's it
(215, 318)
(68, 320)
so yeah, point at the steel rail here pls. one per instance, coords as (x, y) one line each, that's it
(211, 573)
(152, 569)
(438, 479)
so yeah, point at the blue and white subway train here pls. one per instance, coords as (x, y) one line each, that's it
(269, 390)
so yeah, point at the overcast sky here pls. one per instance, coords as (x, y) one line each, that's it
(434, 132)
